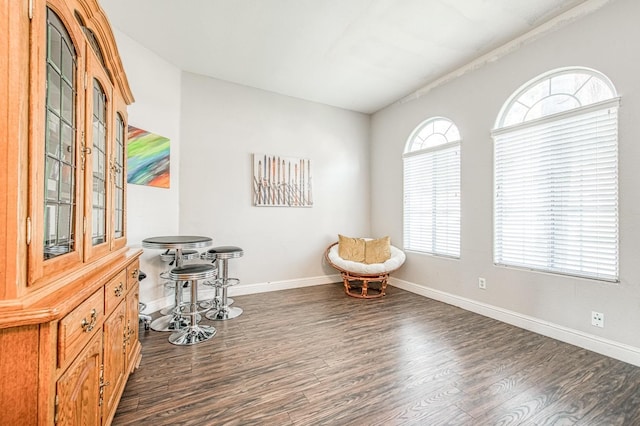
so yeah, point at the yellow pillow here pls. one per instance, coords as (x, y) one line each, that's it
(377, 251)
(351, 248)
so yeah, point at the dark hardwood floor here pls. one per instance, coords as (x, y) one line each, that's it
(315, 356)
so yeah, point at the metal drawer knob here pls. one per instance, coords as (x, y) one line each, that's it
(87, 326)
(118, 290)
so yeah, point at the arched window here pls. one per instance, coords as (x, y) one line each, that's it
(432, 188)
(556, 176)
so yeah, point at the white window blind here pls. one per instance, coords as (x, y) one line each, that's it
(432, 200)
(556, 193)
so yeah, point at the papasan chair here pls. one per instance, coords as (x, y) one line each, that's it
(362, 261)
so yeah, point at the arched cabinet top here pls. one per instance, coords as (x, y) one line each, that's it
(97, 22)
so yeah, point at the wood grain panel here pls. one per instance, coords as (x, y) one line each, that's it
(14, 108)
(20, 395)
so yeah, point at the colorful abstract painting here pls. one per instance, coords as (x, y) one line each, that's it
(281, 181)
(147, 158)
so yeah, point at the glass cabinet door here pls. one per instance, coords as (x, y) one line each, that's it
(60, 157)
(98, 131)
(54, 222)
(99, 170)
(119, 182)
(119, 170)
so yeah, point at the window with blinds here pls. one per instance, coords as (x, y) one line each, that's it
(432, 189)
(556, 176)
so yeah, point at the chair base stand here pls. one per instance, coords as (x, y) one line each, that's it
(192, 335)
(169, 323)
(362, 290)
(224, 314)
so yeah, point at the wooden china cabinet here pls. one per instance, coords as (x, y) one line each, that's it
(68, 282)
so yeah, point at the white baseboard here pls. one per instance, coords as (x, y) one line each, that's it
(242, 289)
(613, 349)
(283, 285)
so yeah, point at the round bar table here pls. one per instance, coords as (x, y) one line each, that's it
(178, 243)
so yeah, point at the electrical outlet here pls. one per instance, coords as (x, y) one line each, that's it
(482, 283)
(597, 319)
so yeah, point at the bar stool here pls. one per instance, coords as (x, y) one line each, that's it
(193, 333)
(169, 257)
(223, 254)
(169, 321)
(211, 255)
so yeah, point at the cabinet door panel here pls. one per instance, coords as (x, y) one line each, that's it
(133, 341)
(115, 332)
(78, 389)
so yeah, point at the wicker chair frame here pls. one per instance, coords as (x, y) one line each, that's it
(356, 284)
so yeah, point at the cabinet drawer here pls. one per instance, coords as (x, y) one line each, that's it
(78, 326)
(132, 273)
(115, 291)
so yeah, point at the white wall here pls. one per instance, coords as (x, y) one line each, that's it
(605, 41)
(222, 124)
(152, 211)
(214, 127)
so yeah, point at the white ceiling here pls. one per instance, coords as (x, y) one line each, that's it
(360, 55)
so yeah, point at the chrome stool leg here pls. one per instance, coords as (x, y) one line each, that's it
(217, 299)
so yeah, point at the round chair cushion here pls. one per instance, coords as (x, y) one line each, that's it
(394, 262)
